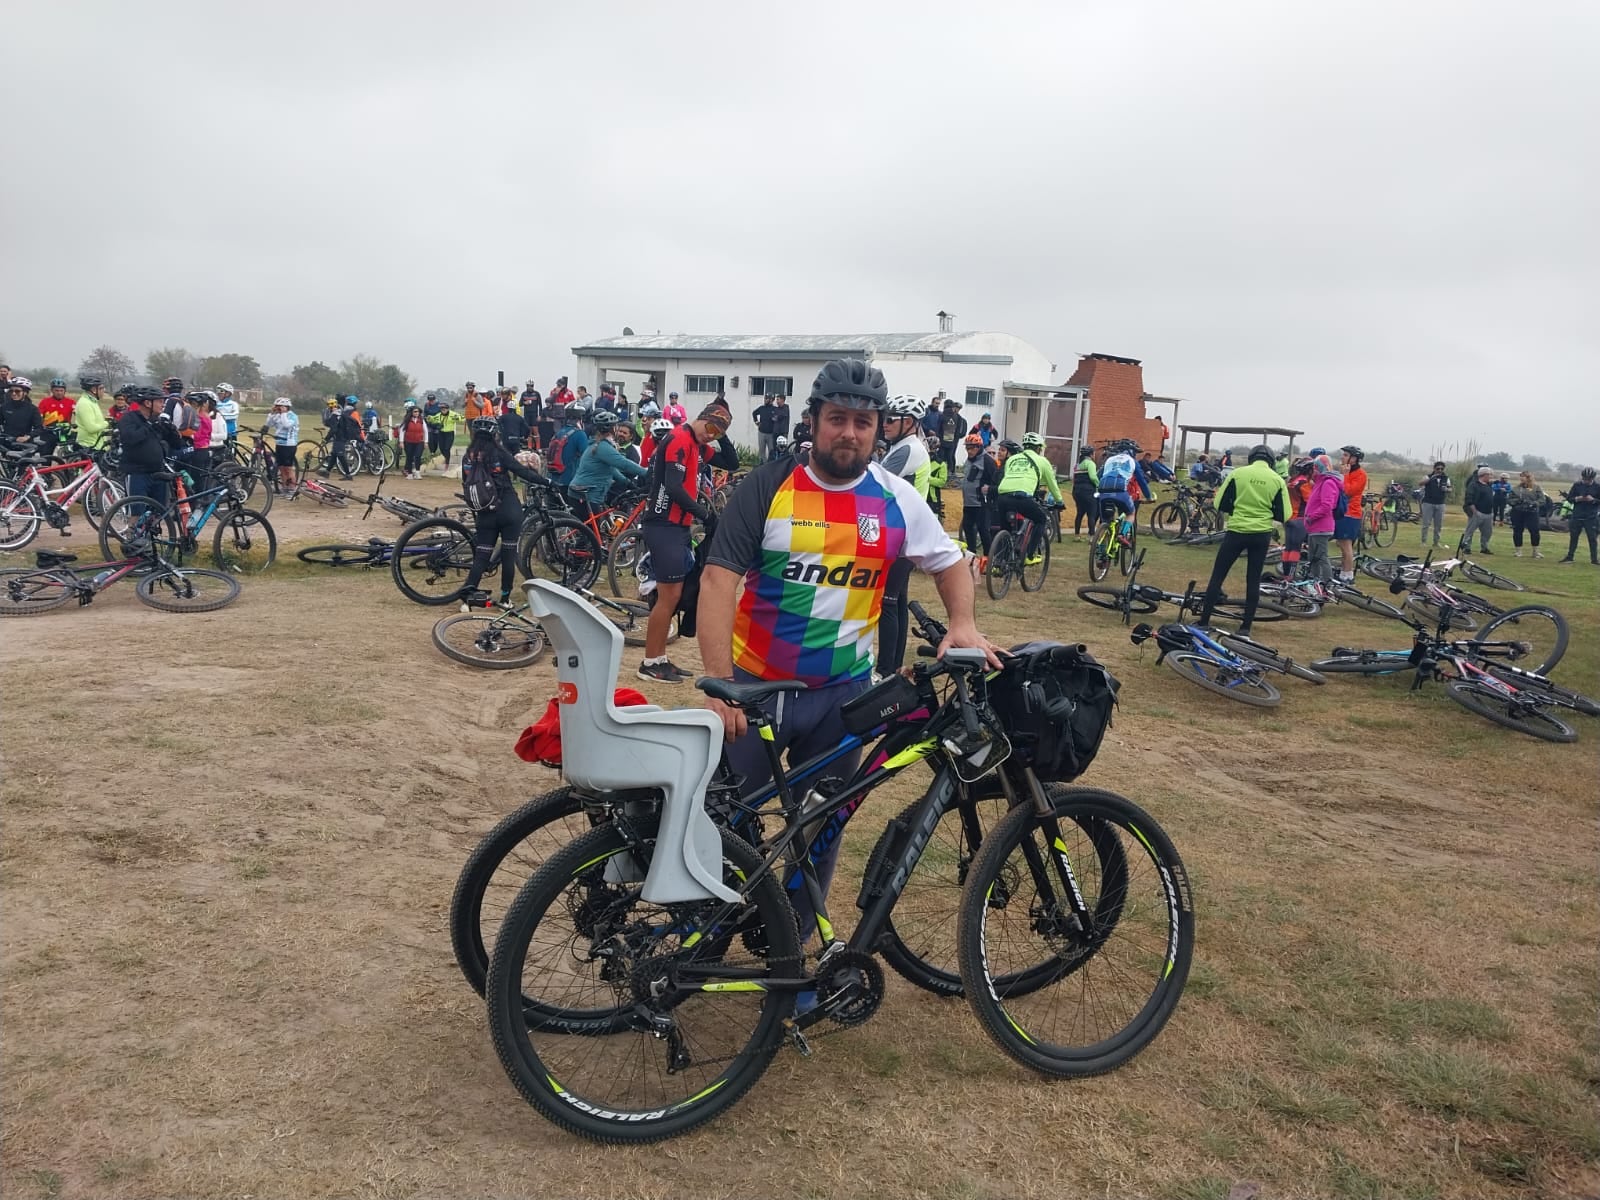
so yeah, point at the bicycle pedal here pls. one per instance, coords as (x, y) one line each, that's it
(798, 1039)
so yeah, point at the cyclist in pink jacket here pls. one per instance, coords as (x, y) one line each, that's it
(1327, 489)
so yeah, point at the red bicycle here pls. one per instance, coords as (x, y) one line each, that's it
(27, 505)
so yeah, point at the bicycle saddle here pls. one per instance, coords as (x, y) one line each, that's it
(44, 559)
(745, 694)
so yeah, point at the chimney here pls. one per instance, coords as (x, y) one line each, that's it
(947, 322)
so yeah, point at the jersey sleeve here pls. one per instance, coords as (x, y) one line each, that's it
(899, 455)
(927, 544)
(737, 542)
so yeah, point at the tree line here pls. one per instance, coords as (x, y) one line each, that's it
(363, 375)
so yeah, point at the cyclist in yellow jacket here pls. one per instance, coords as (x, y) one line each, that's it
(1253, 497)
(1023, 472)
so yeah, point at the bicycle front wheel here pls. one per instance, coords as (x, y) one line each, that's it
(431, 560)
(1520, 715)
(1100, 556)
(134, 520)
(1167, 520)
(1002, 550)
(338, 555)
(1117, 600)
(1119, 927)
(99, 497)
(1033, 574)
(20, 518)
(1125, 550)
(1544, 630)
(244, 543)
(187, 590)
(1489, 578)
(498, 643)
(622, 562)
(1236, 683)
(632, 617)
(690, 1021)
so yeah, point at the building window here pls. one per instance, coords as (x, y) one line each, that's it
(711, 384)
(772, 385)
(980, 397)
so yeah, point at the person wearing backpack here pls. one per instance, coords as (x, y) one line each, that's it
(487, 485)
(568, 446)
(346, 428)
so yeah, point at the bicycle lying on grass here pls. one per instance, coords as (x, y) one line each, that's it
(647, 974)
(53, 581)
(1480, 674)
(409, 511)
(504, 638)
(1143, 598)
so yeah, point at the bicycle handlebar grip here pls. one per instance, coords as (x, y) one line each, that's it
(1066, 656)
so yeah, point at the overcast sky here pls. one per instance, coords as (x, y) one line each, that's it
(1372, 220)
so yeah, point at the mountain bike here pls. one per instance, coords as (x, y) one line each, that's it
(1189, 511)
(1482, 677)
(378, 453)
(27, 505)
(918, 939)
(1007, 560)
(1134, 597)
(550, 547)
(1378, 527)
(243, 541)
(317, 454)
(1229, 664)
(626, 1018)
(321, 491)
(53, 582)
(1114, 541)
(1479, 573)
(409, 511)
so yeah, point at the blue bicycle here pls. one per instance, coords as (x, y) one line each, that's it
(1228, 664)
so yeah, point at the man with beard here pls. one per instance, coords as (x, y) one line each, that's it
(813, 544)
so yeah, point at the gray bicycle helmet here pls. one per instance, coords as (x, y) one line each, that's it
(605, 419)
(852, 383)
(488, 425)
(1263, 454)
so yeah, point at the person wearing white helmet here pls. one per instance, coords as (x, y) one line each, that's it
(660, 430)
(283, 427)
(907, 457)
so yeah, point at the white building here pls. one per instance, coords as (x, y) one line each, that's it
(997, 373)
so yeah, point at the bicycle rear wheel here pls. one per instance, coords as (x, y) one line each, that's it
(1236, 683)
(500, 864)
(1292, 602)
(1387, 528)
(1033, 576)
(562, 550)
(1121, 929)
(1542, 628)
(27, 591)
(1365, 662)
(1003, 550)
(1529, 682)
(1117, 600)
(498, 643)
(135, 520)
(691, 1027)
(1125, 550)
(431, 560)
(183, 590)
(1523, 716)
(1167, 520)
(1430, 613)
(244, 543)
(632, 617)
(100, 496)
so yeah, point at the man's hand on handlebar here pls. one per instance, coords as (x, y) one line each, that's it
(967, 635)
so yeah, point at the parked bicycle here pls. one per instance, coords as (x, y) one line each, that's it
(1189, 511)
(27, 505)
(621, 1017)
(1008, 560)
(243, 541)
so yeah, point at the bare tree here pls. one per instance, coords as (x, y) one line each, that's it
(111, 364)
(169, 362)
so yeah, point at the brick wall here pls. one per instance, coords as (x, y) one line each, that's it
(1116, 407)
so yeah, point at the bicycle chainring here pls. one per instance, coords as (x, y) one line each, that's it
(850, 987)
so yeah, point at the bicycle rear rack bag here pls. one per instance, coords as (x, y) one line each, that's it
(609, 748)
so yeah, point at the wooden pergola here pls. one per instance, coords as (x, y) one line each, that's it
(1263, 430)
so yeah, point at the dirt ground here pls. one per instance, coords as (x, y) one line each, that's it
(229, 842)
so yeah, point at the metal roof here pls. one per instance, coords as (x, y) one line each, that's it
(809, 345)
(1239, 429)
